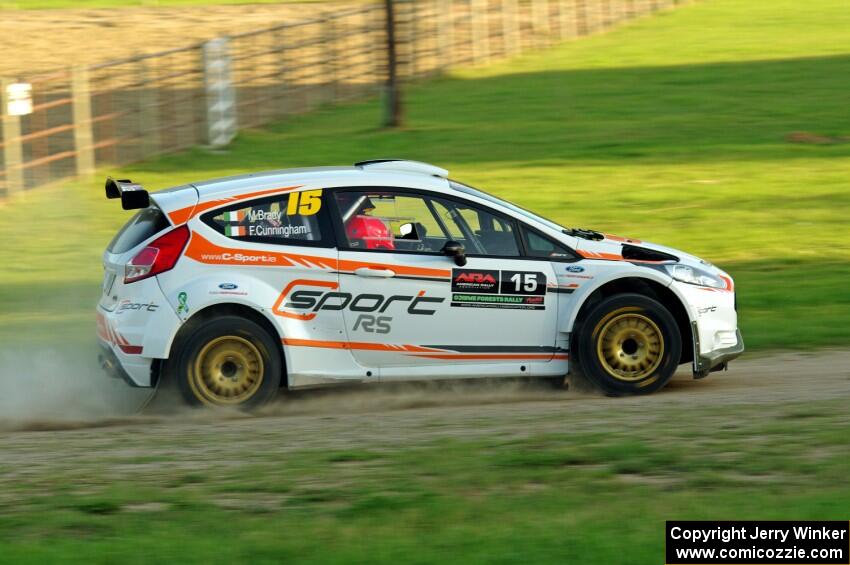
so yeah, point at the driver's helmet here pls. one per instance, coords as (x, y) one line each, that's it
(369, 232)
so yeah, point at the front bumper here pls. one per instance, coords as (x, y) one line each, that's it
(717, 359)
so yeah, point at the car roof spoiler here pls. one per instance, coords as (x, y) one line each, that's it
(133, 196)
(402, 166)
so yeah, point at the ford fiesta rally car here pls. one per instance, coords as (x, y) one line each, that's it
(388, 270)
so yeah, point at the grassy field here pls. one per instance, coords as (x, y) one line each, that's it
(581, 481)
(674, 129)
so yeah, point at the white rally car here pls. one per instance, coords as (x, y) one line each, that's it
(388, 270)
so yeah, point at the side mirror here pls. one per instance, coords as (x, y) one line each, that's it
(456, 250)
(408, 231)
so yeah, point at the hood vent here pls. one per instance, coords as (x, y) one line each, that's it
(635, 253)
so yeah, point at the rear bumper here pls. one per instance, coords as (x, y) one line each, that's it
(717, 359)
(135, 370)
(109, 362)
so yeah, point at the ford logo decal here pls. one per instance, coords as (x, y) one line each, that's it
(575, 269)
(228, 286)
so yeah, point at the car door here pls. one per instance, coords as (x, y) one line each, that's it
(278, 253)
(411, 311)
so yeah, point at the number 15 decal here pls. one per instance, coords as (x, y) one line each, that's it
(523, 282)
(305, 203)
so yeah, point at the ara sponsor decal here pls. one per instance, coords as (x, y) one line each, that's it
(474, 280)
(707, 310)
(306, 303)
(575, 269)
(128, 305)
(498, 289)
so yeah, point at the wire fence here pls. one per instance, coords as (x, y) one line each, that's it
(127, 110)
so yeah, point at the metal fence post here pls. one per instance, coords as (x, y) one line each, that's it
(13, 155)
(83, 138)
(148, 112)
(220, 95)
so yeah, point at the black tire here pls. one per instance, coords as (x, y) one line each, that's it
(628, 344)
(226, 361)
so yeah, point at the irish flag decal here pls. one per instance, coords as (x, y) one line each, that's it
(236, 216)
(234, 231)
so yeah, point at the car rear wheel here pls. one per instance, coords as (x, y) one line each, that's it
(228, 361)
(629, 344)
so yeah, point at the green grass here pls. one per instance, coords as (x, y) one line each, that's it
(672, 129)
(593, 494)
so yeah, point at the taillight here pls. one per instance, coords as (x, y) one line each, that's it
(159, 256)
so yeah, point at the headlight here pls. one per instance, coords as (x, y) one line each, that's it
(695, 276)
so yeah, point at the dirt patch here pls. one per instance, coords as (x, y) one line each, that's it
(183, 447)
(44, 40)
(456, 408)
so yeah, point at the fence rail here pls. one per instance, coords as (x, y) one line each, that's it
(128, 110)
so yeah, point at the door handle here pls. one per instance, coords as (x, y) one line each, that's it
(374, 273)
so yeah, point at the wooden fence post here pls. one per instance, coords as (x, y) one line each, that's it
(480, 31)
(563, 20)
(510, 27)
(536, 22)
(13, 154)
(83, 137)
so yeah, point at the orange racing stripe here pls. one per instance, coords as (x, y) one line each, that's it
(204, 251)
(484, 356)
(418, 351)
(362, 345)
(183, 215)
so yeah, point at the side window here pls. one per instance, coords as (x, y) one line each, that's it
(385, 220)
(288, 219)
(480, 232)
(543, 247)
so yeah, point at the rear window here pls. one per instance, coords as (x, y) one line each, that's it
(143, 225)
(288, 219)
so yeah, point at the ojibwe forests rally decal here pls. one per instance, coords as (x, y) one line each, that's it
(490, 288)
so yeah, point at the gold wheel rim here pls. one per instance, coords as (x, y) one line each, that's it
(629, 346)
(227, 371)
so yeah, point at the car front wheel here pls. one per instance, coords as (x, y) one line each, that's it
(629, 344)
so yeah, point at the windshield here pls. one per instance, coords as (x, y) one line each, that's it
(513, 207)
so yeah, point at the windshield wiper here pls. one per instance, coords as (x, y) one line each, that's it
(584, 234)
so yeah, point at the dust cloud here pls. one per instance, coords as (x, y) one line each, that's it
(59, 387)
